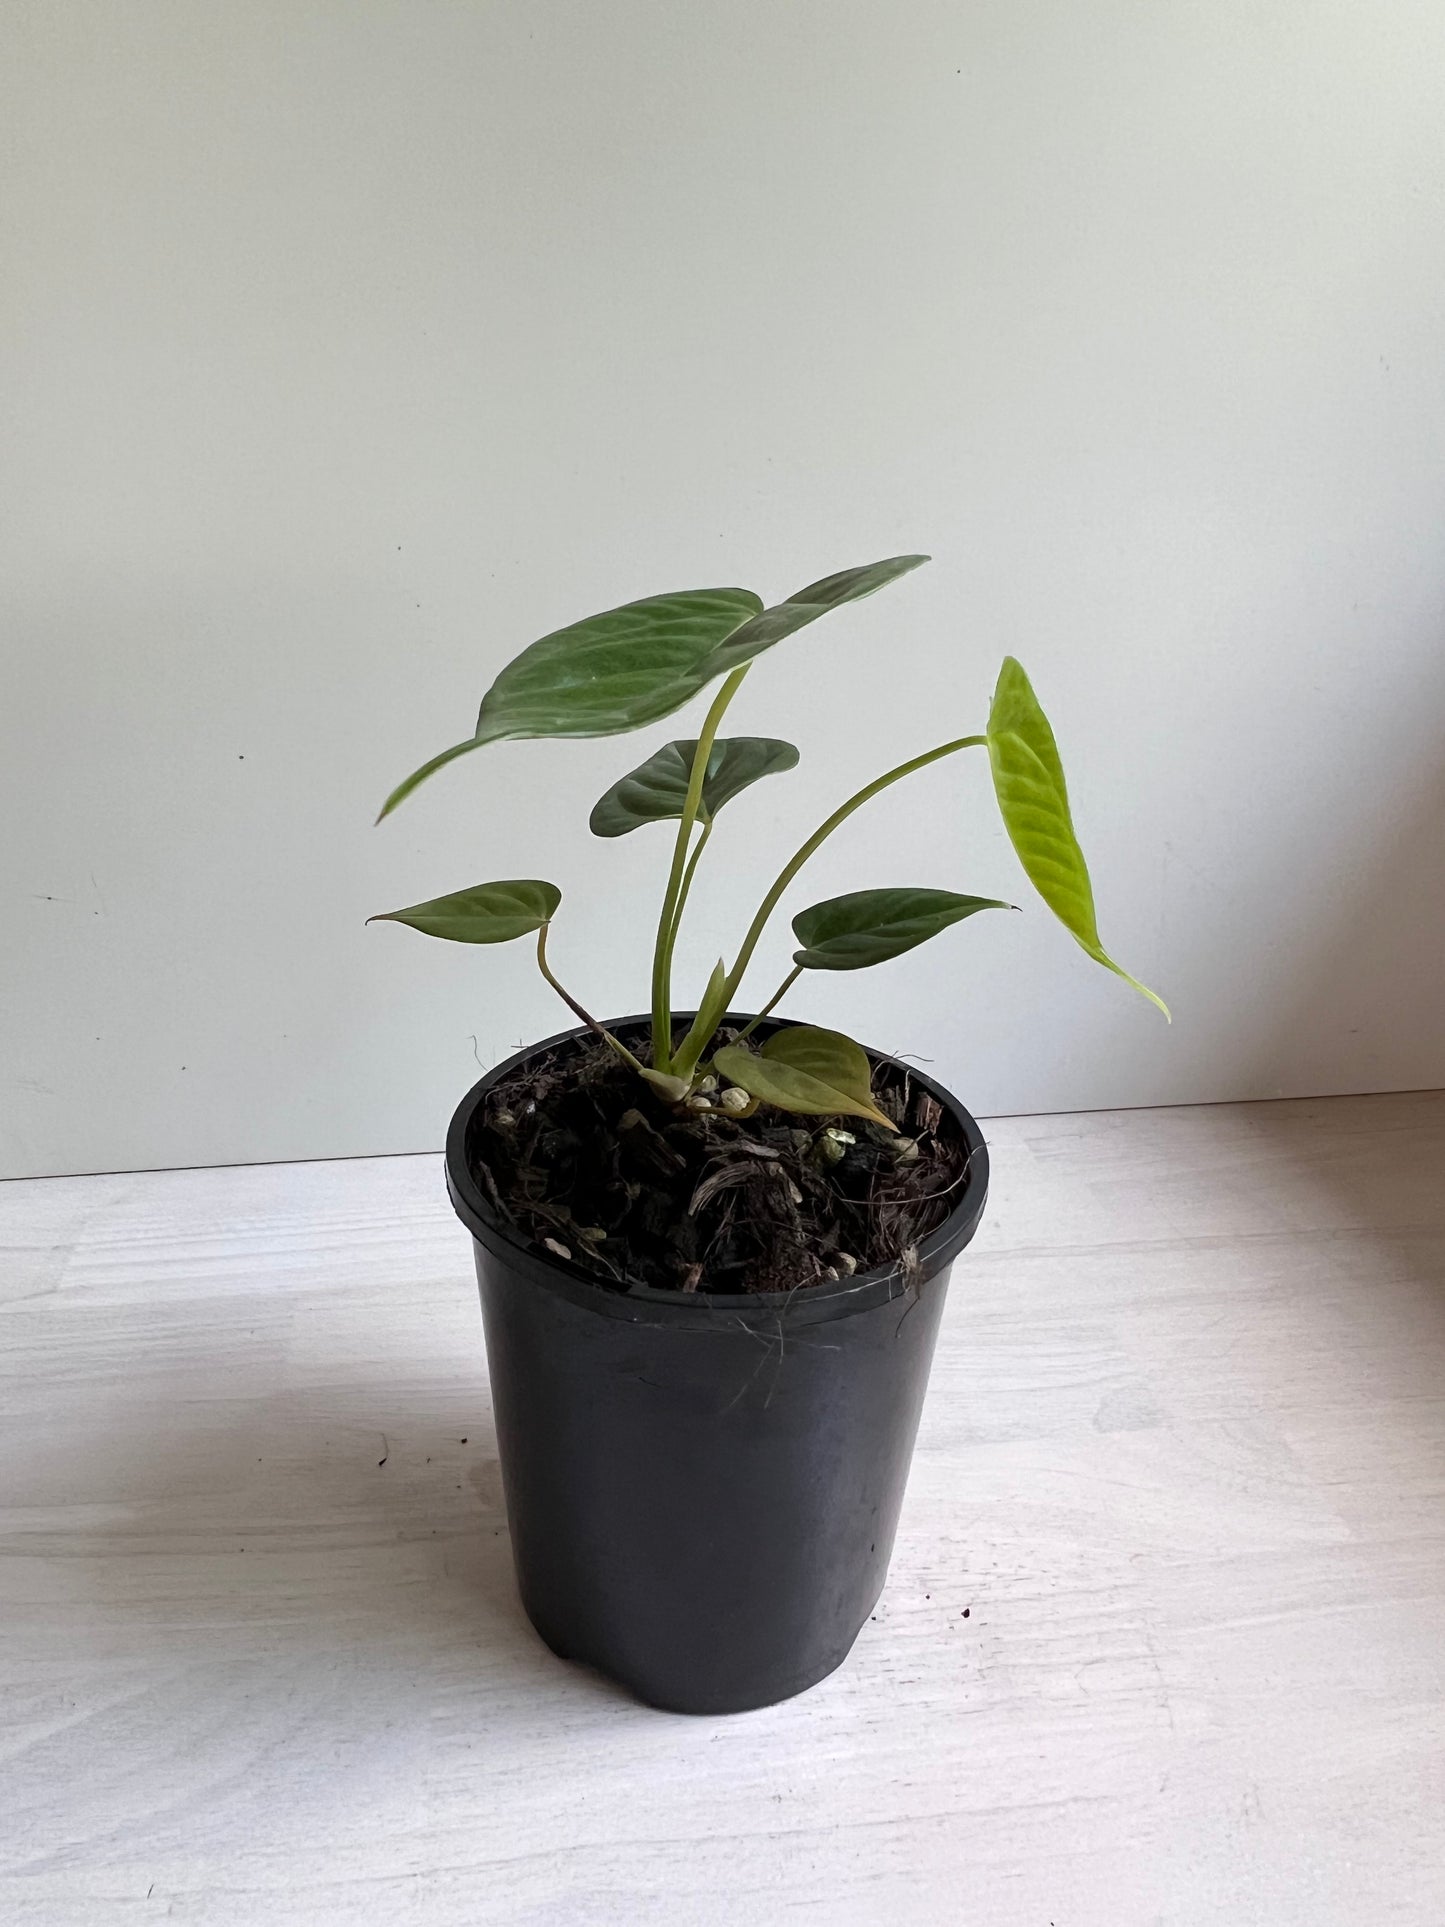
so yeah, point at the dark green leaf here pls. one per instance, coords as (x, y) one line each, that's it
(806, 606)
(657, 789)
(870, 926)
(418, 776)
(615, 671)
(611, 673)
(487, 913)
(817, 1073)
(1033, 800)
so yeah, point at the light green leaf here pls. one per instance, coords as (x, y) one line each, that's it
(714, 1001)
(608, 674)
(1016, 711)
(849, 585)
(1028, 780)
(657, 789)
(709, 1015)
(870, 926)
(487, 913)
(818, 1073)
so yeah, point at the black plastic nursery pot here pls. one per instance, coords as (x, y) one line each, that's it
(703, 1490)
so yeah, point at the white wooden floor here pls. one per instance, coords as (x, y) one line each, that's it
(1182, 1468)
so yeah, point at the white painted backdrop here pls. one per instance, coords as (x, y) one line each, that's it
(349, 347)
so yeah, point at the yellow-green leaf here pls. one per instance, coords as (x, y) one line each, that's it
(1033, 799)
(710, 1010)
(817, 1073)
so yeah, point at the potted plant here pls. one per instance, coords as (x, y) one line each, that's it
(713, 1247)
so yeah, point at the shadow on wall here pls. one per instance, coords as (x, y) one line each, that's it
(1344, 994)
(1365, 994)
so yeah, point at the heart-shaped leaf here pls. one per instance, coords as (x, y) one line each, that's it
(611, 673)
(849, 585)
(657, 789)
(870, 926)
(1033, 799)
(817, 1073)
(487, 913)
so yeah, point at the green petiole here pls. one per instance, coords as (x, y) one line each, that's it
(577, 1010)
(680, 876)
(692, 1046)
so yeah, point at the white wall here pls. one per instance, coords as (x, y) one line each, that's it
(349, 347)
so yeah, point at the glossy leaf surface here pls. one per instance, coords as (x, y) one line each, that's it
(849, 585)
(1028, 780)
(487, 913)
(657, 789)
(608, 674)
(817, 1073)
(870, 926)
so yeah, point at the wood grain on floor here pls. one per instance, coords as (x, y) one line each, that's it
(1164, 1640)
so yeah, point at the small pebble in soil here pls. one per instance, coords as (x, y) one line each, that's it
(638, 1193)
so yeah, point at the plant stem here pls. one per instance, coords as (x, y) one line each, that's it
(771, 1005)
(572, 1004)
(795, 863)
(672, 899)
(675, 1063)
(687, 876)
